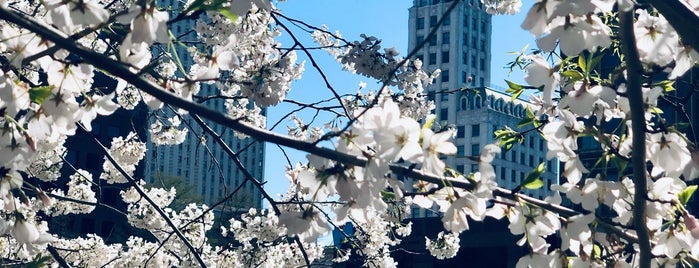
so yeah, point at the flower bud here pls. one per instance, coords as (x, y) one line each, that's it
(691, 224)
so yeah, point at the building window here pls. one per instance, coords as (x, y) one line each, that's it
(433, 40)
(475, 149)
(464, 104)
(474, 41)
(446, 38)
(430, 96)
(465, 21)
(415, 212)
(464, 40)
(445, 76)
(419, 39)
(460, 131)
(420, 23)
(482, 80)
(483, 26)
(444, 114)
(513, 175)
(474, 168)
(460, 168)
(459, 152)
(464, 58)
(433, 58)
(445, 56)
(531, 141)
(72, 157)
(433, 21)
(541, 144)
(93, 162)
(464, 77)
(87, 226)
(474, 25)
(482, 65)
(521, 159)
(447, 20)
(445, 96)
(482, 44)
(473, 61)
(503, 173)
(475, 130)
(531, 160)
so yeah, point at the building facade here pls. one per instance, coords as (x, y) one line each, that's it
(199, 160)
(462, 94)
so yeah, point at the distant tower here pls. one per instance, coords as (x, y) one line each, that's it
(461, 50)
(199, 160)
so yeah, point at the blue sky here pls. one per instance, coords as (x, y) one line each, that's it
(387, 20)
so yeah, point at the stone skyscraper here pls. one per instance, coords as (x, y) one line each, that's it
(461, 50)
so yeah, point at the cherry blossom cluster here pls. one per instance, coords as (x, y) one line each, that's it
(389, 156)
(364, 57)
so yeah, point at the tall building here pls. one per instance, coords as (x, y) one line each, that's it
(82, 152)
(199, 160)
(461, 50)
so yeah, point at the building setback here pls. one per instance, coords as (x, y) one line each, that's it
(463, 96)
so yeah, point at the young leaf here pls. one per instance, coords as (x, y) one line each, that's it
(686, 194)
(533, 180)
(228, 14)
(582, 62)
(573, 74)
(39, 94)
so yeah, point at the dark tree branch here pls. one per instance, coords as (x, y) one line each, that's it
(638, 127)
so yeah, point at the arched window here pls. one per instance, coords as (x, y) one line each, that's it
(518, 111)
(478, 102)
(464, 103)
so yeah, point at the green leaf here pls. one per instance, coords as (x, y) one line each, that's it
(533, 180)
(533, 184)
(667, 85)
(429, 122)
(38, 262)
(524, 122)
(596, 250)
(582, 63)
(39, 94)
(529, 112)
(513, 85)
(386, 195)
(573, 75)
(686, 194)
(595, 61)
(655, 110)
(228, 14)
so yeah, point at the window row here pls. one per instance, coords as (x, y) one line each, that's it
(446, 39)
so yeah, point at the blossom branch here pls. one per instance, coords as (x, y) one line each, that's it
(150, 201)
(313, 62)
(638, 126)
(248, 176)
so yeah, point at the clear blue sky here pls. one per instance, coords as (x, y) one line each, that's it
(387, 20)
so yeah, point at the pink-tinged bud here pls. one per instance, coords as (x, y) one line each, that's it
(30, 141)
(45, 199)
(691, 224)
(24, 232)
